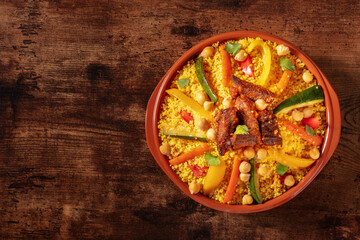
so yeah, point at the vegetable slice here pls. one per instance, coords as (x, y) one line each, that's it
(301, 132)
(214, 177)
(312, 122)
(200, 136)
(284, 80)
(186, 116)
(290, 161)
(202, 79)
(247, 66)
(266, 57)
(226, 65)
(254, 183)
(199, 150)
(307, 97)
(233, 180)
(198, 171)
(189, 101)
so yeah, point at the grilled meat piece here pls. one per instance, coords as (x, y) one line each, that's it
(247, 111)
(252, 91)
(240, 141)
(225, 123)
(269, 128)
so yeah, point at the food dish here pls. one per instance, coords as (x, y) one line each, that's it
(174, 104)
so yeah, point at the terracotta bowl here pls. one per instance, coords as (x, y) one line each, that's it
(332, 135)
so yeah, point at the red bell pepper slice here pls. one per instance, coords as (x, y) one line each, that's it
(186, 116)
(247, 66)
(198, 171)
(312, 122)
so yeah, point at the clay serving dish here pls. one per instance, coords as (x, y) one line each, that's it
(331, 140)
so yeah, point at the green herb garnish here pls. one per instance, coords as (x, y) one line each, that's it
(183, 82)
(310, 130)
(281, 169)
(212, 160)
(232, 48)
(241, 130)
(286, 64)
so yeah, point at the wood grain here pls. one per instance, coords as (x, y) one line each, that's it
(75, 78)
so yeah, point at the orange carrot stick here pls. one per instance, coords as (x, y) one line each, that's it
(226, 65)
(284, 81)
(233, 180)
(301, 132)
(201, 149)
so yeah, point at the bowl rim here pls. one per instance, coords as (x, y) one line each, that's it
(332, 135)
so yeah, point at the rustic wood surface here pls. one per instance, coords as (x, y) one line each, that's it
(75, 78)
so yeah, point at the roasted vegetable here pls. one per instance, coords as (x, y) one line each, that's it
(214, 177)
(307, 97)
(254, 183)
(202, 80)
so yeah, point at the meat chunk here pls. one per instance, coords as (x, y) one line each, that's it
(252, 91)
(240, 141)
(247, 111)
(225, 124)
(269, 128)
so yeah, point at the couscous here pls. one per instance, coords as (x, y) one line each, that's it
(242, 122)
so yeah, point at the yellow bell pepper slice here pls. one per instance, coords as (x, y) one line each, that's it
(290, 161)
(214, 177)
(266, 57)
(190, 102)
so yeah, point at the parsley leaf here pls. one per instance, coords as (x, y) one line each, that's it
(232, 48)
(183, 82)
(281, 169)
(241, 130)
(310, 130)
(212, 160)
(286, 64)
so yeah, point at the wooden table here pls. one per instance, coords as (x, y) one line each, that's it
(75, 78)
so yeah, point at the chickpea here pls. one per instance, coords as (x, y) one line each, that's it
(247, 200)
(289, 180)
(208, 105)
(240, 56)
(245, 167)
(202, 97)
(282, 50)
(202, 124)
(245, 177)
(207, 52)
(260, 104)
(314, 153)
(227, 102)
(261, 153)
(165, 149)
(194, 187)
(210, 134)
(263, 171)
(308, 112)
(307, 77)
(297, 115)
(249, 152)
